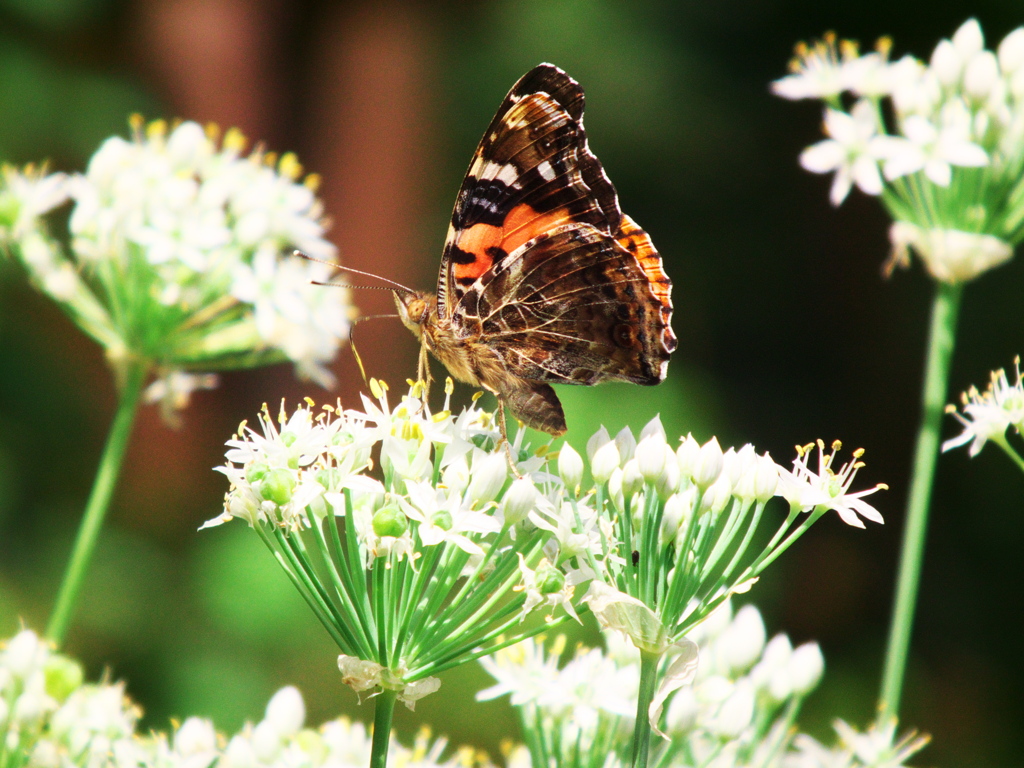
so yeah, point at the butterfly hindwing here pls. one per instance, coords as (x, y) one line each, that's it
(572, 306)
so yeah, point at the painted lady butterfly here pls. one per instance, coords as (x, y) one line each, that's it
(543, 278)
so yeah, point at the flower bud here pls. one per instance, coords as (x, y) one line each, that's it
(604, 461)
(981, 74)
(489, 476)
(653, 427)
(632, 480)
(766, 478)
(626, 444)
(650, 458)
(24, 654)
(667, 482)
(615, 490)
(968, 39)
(709, 463)
(675, 515)
(806, 667)
(456, 475)
(63, 675)
(519, 501)
(278, 486)
(682, 712)
(736, 712)
(1011, 51)
(716, 498)
(597, 441)
(570, 467)
(946, 64)
(390, 521)
(687, 454)
(744, 639)
(286, 710)
(549, 580)
(195, 736)
(442, 519)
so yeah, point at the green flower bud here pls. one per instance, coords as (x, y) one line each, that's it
(442, 519)
(278, 486)
(63, 676)
(391, 521)
(549, 580)
(256, 472)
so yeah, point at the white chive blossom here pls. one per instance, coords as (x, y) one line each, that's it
(181, 255)
(940, 141)
(988, 415)
(589, 702)
(57, 720)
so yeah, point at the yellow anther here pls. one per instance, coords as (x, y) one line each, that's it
(375, 389)
(289, 166)
(312, 182)
(858, 453)
(477, 395)
(234, 140)
(156, 130)
(449, 385)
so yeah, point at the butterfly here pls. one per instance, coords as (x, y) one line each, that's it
(543, 279)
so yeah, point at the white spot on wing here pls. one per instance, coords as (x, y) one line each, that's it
(546, 171)
(664, 370)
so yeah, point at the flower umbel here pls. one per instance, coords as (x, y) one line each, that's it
(947, 135)
(181, 254)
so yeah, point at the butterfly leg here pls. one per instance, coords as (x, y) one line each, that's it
(423, 371)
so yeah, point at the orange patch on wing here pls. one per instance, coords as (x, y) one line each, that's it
(638, 242)
(522, 223)
(476, 240)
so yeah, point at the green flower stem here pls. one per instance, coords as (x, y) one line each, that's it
(940, 352)
(649, 663)
(383, 711)
(99, 500)
(1015, 457)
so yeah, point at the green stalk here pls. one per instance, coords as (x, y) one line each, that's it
(642, 729)
(99, 500)
(942, 336)
(383, 711)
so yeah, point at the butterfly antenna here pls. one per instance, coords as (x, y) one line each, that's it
(352, 270)
(329, 284)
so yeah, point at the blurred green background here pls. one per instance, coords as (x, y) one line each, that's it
(787, 330)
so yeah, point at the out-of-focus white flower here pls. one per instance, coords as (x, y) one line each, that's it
(817, 71)
(950, 255)
(931, 149)
(853, 151)
(987, 415)
(182, 255)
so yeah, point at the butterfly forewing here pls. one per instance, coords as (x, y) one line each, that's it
(543, 279)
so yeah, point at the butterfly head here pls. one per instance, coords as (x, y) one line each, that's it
(414, 308)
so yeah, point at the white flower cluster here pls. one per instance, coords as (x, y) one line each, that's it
(446, 480)
(49, 719)
(737, 712)
(987, 415)
(182, 254)
(964, 108)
